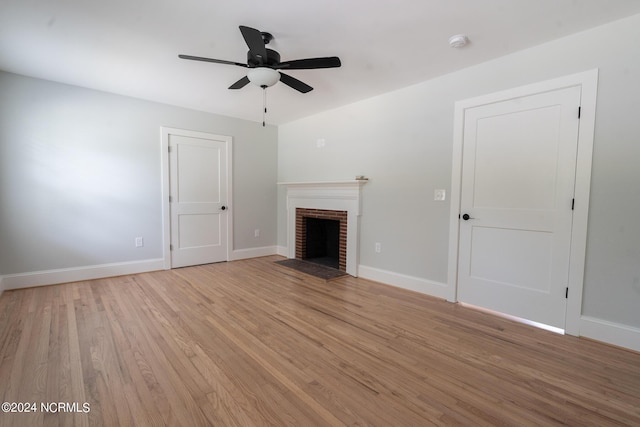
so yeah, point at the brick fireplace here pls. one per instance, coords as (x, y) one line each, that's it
(304, 215)
(339, 200)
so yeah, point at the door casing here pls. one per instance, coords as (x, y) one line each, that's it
(587, 81)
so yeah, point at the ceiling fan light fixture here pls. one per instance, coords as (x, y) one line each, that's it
(263, 76)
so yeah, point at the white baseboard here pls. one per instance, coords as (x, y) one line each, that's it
(610, 332)
(282, 251)
(253, 252)
(65, 275)
(417, 284)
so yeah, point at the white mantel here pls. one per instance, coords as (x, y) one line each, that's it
(330, 195)
(326, 183)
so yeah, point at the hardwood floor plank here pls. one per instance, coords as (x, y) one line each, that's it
(16, 361)
(251, 343)
(77, 386)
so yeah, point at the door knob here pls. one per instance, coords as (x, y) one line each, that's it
(466, 217)
(223, 207)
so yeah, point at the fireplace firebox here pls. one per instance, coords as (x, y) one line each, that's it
(323, 241)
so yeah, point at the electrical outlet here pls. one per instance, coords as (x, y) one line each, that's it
(139, 242)
(256, 232)
(439, 195)
(378, 248)
(321, 143)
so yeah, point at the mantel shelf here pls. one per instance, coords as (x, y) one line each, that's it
(327, 183)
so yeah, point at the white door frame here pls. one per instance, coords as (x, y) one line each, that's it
(588, 82)
(166, 209)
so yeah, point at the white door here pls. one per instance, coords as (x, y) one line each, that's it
(198, 198)
(518, 179)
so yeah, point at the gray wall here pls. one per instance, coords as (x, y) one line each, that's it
(80, 175)
(403, 142)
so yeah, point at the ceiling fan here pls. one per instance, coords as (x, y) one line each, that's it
(264, 64)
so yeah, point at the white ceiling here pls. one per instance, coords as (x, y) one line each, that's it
(131, 47)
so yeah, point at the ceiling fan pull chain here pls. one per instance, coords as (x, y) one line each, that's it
(264, 105)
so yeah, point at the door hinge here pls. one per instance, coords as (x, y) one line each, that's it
(579, 111)
(170, 199)
(566, 292)
(169, 148)
(573, 204)
(170, 247)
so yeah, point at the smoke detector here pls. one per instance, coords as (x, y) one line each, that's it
(458, 41)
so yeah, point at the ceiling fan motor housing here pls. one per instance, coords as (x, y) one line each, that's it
(273, 59)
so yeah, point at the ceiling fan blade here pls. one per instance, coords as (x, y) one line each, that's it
(240, 83)
(217, 61)
(295, 83)
(310, 63)
(253, 38)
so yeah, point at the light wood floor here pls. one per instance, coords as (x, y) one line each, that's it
(251, 343)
